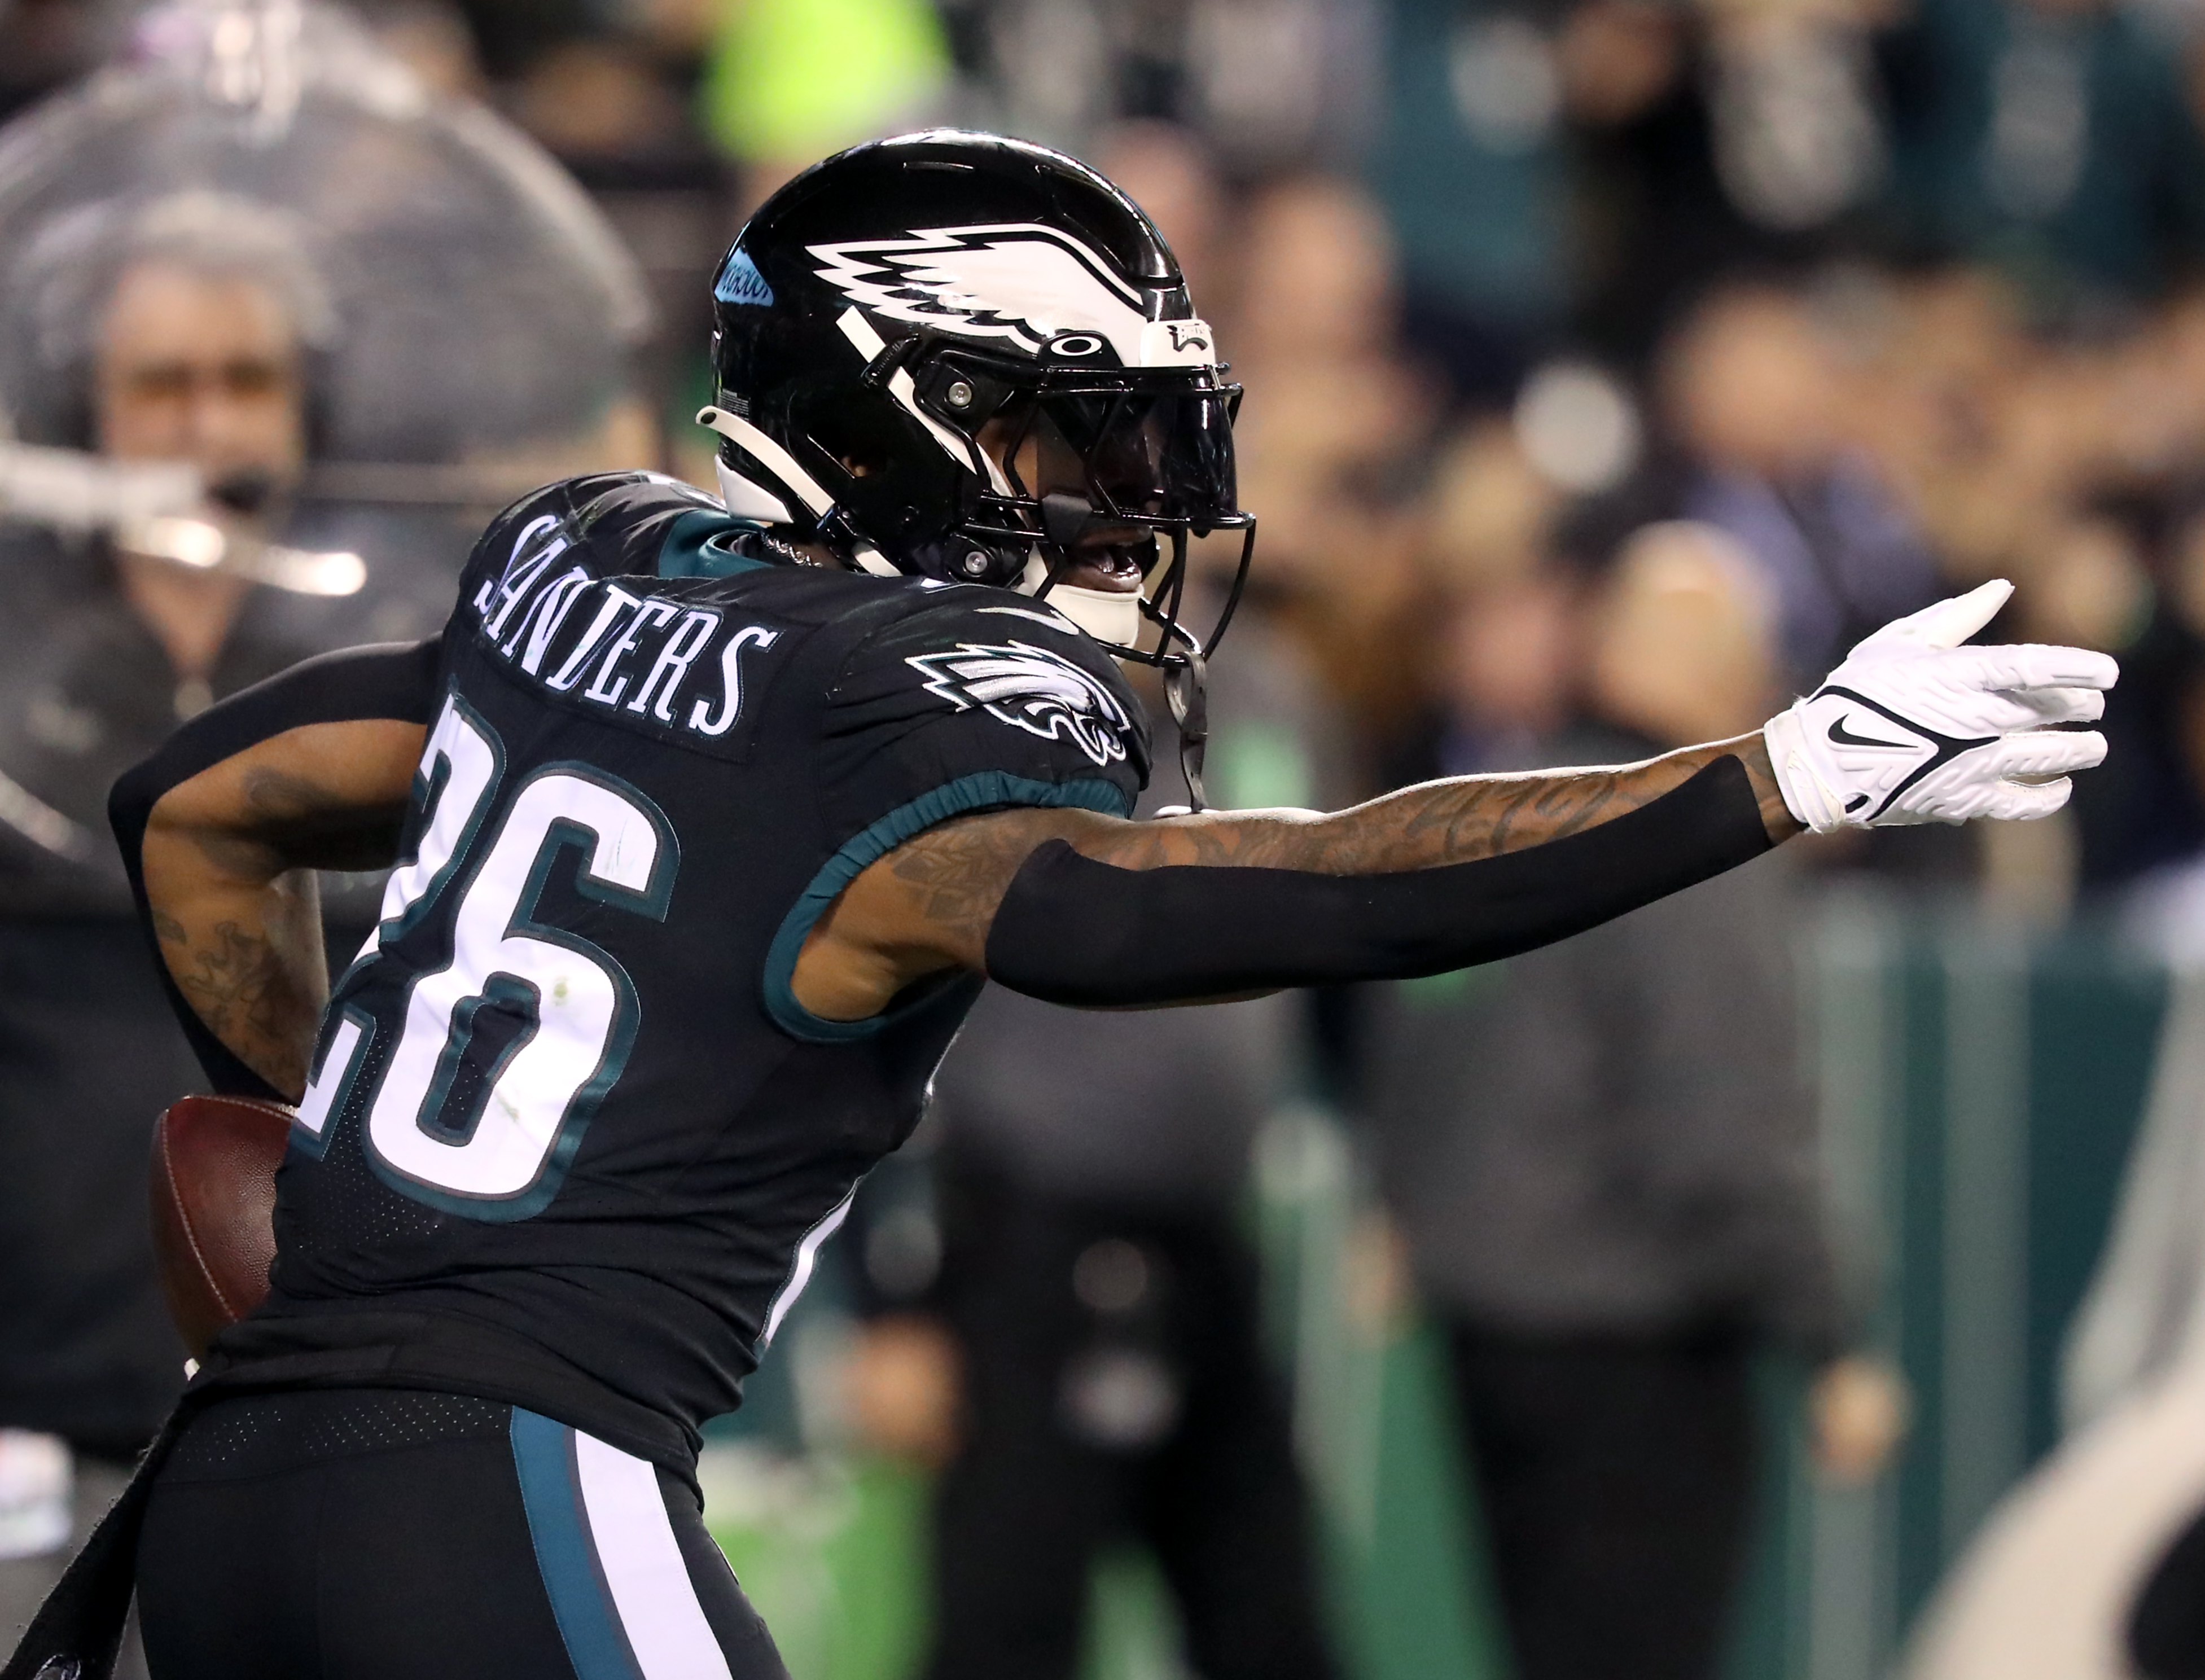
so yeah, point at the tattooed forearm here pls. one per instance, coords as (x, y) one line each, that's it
(227, 859)
(252, 996)
(930, 903)
(249, 962)
(1437, 822)
(1482, 816)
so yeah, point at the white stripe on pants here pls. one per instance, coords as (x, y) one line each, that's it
(644, 1567)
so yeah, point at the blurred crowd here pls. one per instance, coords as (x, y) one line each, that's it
(1611, 366)
(1869, 299)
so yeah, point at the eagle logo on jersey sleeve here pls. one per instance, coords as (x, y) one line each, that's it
(1031, 689)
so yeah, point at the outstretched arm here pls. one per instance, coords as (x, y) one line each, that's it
(1912, 727)
(933, 903)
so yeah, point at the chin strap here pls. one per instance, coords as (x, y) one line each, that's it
(1186, 694)
(786, 467)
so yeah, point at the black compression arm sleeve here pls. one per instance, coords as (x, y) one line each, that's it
(1074, 931)
(396, 681)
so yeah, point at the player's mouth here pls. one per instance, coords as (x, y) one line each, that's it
(1112, 561)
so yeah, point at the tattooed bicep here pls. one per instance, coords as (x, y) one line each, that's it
(951, 879)
(324, 796)
(315, 824)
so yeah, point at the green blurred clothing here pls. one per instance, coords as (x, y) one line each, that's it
(1475, 186)
(2062, 149)
(798, 78)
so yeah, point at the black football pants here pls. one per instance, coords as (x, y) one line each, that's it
(1617, 1482)
(1143, 1411)
(394, 1536)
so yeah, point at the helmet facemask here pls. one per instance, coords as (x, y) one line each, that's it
(975, 468)
(1116, 467)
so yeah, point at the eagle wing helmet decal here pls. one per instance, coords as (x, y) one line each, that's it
(1017, 281)
(1031, 689)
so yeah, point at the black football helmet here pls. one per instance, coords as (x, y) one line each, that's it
(900, 305)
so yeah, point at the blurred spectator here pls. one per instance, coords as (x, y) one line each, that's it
(196, 351)
(1584, 171)
(1601, 1159)
(2053, 137)
(1507, 697)
(1270, 84)
(1469, 163)
(1758, 412)
(1795, 107)
(1704, 141)
(2150, 828)
(2070, 463)
(612, 92)
(1328, 436)
(1506, 665)
(479, 317)
(431, 39)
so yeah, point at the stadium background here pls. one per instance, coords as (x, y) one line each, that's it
(1456, 246)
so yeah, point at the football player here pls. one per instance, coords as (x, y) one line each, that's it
(711, 817)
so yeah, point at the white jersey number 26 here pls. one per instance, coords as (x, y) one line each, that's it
(503, 1052)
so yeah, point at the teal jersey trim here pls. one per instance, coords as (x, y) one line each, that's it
(696, 547)
(985, 789)
(566, 1556)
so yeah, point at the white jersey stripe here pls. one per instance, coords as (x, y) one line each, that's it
(642, 1566)
(807, 1256)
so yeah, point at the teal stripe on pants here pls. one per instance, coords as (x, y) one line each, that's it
(566, 1556)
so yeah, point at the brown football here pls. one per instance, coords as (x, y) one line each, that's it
(214, 1208)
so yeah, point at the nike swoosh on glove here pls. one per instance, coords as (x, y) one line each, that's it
(1913, 727)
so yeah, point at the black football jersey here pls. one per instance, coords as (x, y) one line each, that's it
(570, 1138)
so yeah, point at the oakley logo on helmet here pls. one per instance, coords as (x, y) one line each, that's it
(1019, 282)
(1031, 689)
(741, 282)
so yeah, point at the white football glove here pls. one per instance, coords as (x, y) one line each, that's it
(1913, 727)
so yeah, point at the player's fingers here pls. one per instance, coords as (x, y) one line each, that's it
(2048, 752)
(2028, 665)
(2020, 801)
(2059, 705)
(1949, 622)
(2004, 711)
